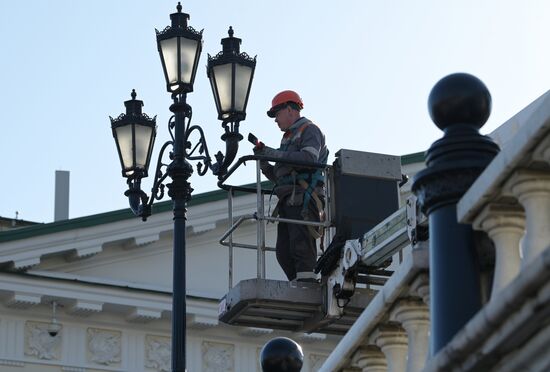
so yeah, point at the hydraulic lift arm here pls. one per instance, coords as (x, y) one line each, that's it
(350, 262)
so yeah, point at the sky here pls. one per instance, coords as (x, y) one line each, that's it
(363, 68)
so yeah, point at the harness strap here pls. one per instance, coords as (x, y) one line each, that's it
(316, 232)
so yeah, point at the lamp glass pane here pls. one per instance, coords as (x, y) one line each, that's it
(143, 141)
(243, 75)
(215, 94)
(188, 51)
(124, 139)
(169, 48)
(223, 76)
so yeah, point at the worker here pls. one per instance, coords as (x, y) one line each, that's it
(300, 190)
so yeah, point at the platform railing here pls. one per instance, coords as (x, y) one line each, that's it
(260, 216)
(403, 282)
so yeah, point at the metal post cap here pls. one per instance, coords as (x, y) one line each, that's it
(459, 104)
(133, 106)
(281, 354)
(459, 99)
(231, 44)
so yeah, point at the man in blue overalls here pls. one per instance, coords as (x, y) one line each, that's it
(300, 190)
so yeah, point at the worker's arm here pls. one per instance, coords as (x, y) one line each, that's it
(310, 146)
(267, 170)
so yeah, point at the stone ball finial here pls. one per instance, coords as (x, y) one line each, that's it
(281, 354)
(459, 99)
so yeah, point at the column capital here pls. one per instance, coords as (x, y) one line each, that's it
(369, 358)
(410, 310)
(532, 189)
(390, 333)
(505, 225)
(500, 216)
(524, 181)
(414, 316)
(420, 287)
(392, 340)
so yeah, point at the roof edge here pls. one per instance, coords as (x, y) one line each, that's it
(107, 217)
(125, 214)
(417, 157)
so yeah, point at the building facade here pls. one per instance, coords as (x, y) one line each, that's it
(110, 276)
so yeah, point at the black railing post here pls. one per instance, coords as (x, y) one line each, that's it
(459, 104)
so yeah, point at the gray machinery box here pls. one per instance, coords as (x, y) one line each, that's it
(366, 190)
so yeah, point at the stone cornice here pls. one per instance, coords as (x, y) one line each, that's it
(84, 242)
(109, 217)
(84, 299)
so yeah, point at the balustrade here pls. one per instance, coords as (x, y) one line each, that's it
(510, 202)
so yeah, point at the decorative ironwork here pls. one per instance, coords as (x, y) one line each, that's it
(170, 31)
(195, 149)
(188, 144)
(245, 56)
(123, 115)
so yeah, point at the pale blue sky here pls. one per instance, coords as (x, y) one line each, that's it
(364, 69)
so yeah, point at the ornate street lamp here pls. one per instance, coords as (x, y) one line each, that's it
(180, 48)
(134, 134)
(230, 73)
(231, 76)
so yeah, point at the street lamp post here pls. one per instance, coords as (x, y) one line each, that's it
(230, 73)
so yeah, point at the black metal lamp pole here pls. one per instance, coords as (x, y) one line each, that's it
(179, 190)
(230, 74)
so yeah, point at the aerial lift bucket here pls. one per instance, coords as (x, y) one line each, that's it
(356, 179)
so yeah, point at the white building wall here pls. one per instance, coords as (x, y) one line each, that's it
(107, 343)
(99, 331)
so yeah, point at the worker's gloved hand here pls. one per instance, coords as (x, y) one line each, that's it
(258, 148)
(270, 152)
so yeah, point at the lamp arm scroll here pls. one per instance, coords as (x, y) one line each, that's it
(231, 139)
(157, 191)
(137, 198)
(205, 162)
(140, 202)
(219, 168)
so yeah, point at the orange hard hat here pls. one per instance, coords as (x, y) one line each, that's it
(283, 98)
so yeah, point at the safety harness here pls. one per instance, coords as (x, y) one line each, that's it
(308, 181)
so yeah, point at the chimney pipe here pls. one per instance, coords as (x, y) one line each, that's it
(61, 209)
